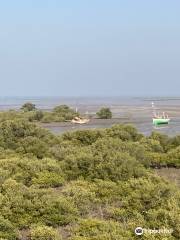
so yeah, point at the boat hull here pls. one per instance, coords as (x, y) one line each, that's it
(160, 121)
(80, 121)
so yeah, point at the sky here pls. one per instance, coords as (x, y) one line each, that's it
(89, 48)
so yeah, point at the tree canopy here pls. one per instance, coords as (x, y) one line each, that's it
(28, 107)
(85, 185)
(104, 113)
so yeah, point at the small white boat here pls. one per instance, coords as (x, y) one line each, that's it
(78, 120)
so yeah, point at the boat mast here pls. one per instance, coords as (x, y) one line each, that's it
(154, 110)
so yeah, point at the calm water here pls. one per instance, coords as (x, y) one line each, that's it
(146, 128)
(84, 102)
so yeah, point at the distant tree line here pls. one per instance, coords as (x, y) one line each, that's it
(60, 113)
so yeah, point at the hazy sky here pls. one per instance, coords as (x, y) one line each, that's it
(89, 47)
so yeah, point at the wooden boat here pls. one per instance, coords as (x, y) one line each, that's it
(79, 120)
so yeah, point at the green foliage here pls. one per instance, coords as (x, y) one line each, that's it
(47, 179)
(34, 146)
(7, 230)
(28, 107)
(104, 113)
(172, 158)
(29, 171)
(29, 112)
(38, 115)
(124, 132)
(31, 205)
(44, 233)
(162, 138)
(84, 137)
(24, 137)
(65, 112)
(59, 114)
(95, 229)
(111, 167)
(85, 185)
(61, 108)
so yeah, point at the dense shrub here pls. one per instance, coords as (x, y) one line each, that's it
(25, 137)
(29, 112)
(7, 230)
(83, 137)
(104, 113)
(46, 179)
(124, 132)
(59, 114)
(38, 115)
(95, 229)
(28, 107)
(44, 233)
(85, 185)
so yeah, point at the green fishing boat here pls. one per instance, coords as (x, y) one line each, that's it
(159, 119)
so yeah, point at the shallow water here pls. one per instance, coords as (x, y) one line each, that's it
(145, 127)
(137, 110)
(87, 102)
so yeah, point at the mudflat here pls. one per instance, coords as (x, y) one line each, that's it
(139, 116)
(171, 174)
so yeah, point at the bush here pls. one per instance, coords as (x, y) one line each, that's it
(64, 112)
(95, 229)
(44, 233)
(60, 113)
(38, 115)
(84, 137)
(90, 184)
(162, 138)
(48, 179)
(172, 158)
(7, 230)
(47, 118)
(124, 132)
(104, 113)
(61, 108)
(28, 107)
(25, 137)
(110, 166)
(34, 146)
